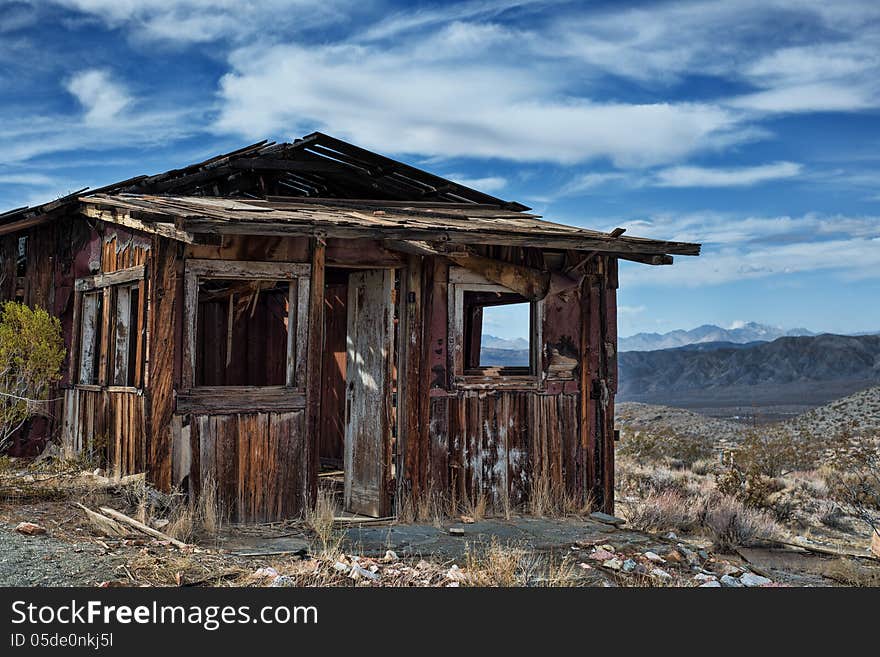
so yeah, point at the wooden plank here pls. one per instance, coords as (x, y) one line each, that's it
(107, 335)
(124, 218)
(89, 337)
(240, 399)
(409, 386)
(315, 323)
(247, 269)
(117, 277)
(161, 315)
(122, 332)
(368, 391)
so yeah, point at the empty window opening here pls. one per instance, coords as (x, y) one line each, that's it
(488, 314)
(242, 332)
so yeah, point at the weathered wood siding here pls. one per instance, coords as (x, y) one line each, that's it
(110, 424)
(255, 460)
(492, 442)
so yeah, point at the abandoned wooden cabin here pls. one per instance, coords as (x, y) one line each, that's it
(286, 308)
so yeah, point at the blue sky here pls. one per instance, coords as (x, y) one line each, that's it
(750, 126)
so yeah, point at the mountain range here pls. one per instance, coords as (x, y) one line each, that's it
(708, 333)
(799, 371)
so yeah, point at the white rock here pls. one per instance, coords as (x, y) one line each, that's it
(282, 580)
(390, 555)
(703, 577)
(662, 574)
(671, 536)
(341, 567)
(266, 572)
(732, 582)
(613, 564)
(750, 579)
(711, 584)
(653, 556)
(357, 572)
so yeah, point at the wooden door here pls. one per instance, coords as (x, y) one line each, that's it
(369, 341)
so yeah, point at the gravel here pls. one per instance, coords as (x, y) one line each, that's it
(46, 561)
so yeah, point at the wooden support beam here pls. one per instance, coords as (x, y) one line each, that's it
(533, 284)
(647, 259)
(313, 371)
(123, 218)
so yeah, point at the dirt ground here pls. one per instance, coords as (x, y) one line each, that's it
(490, 552)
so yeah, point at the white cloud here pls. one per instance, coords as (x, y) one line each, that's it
(382, 100)
(101, 97)
(743, 247)
(197, 21)
(820, 97)
(693, 176)
(849, 258)
(489, 184)
(29, 179)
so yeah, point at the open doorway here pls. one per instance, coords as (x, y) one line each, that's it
(358, 386)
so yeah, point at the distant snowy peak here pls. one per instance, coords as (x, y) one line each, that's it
(741, 333)
(494, 342)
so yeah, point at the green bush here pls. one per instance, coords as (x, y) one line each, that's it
(31, 353)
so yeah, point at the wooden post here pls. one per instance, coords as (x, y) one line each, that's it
(313, 373)
(409, 388)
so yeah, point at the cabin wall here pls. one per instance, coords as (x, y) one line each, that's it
(465, 442)
(499, 441)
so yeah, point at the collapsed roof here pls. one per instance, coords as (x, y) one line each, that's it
(319, 185)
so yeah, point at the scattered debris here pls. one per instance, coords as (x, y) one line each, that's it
(729, 581)
(456, 531)
(30, 528)
(750, 579)
(607, 519)
(653, 556)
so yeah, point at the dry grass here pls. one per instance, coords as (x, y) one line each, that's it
(191, 519)
(549, 500)
(320, 519)
(508, 566)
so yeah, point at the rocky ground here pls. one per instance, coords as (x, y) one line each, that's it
(859, 411)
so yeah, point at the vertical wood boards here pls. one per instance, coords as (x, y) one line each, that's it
(368, 391)
(254, 460)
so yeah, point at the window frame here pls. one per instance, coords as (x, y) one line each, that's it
(462, 280)
(223, 398)
(104, 343)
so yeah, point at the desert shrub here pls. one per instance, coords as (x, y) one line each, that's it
(642, 479)
(773, 452)
(730, 524)
(31, 353)
(832, 516)
(722, 518)
(663, 511)
(853, 476)
(666, 446)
